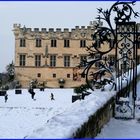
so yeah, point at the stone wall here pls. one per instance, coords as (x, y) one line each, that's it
(95, 123)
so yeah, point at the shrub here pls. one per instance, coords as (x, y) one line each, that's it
(81, 89)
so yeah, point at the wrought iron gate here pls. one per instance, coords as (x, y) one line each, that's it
(126, 56)
(102, 71)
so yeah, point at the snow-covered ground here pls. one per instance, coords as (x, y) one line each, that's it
(116, 128)
(21, 115)
(121, 129)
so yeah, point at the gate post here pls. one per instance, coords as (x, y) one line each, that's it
(126, 65)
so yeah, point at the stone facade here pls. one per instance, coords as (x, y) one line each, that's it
(40, 54)
(51, 55)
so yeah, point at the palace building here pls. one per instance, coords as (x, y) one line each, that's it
(51, 56)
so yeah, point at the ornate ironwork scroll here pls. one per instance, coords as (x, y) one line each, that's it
(103, 72)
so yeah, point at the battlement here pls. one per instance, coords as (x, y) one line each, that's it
(77, 32)
(16, 25)
(57, 30)
(60, 30)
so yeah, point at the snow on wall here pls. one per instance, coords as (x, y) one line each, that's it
(66, 123)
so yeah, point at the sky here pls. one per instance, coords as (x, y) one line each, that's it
(35, 14)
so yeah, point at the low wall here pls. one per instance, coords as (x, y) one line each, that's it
(93, 126)
(95, 123)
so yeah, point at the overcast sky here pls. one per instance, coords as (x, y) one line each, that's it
(44, 15)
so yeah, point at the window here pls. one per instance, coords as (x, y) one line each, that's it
(54, 75)
(82, 62)
(53, 43)
(38, 42)
(138, 45)
(66, 43)
(139, 42)
(22, 60)
(53, 60)
(112, 57)
(68, 75)
(97, 56)
(98, 43)
(39, 75)
(22, 42)
(82, 43)
(37, 60)
(138, 59)
(111, 43)
(97, 64)
(66, 61)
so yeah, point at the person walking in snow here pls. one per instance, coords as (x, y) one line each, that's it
(6, 97)
(32, 95)
(52, 96)
(31, 91)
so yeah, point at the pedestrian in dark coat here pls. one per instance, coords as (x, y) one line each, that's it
(52, 96)
(6, 97)
(31, 91)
